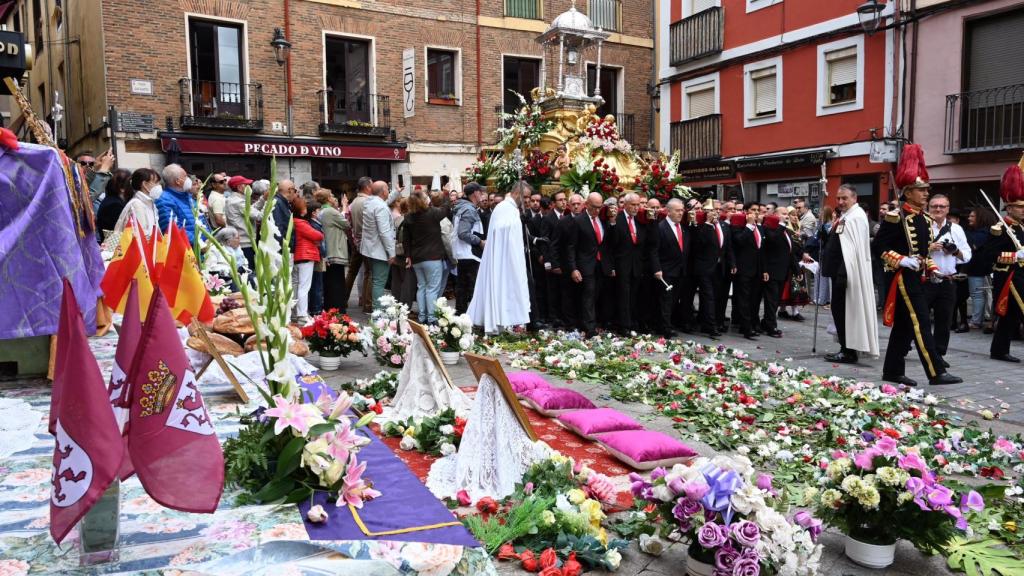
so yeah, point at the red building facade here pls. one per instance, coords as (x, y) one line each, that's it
(765, 99)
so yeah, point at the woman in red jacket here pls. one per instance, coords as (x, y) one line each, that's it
(306, 255)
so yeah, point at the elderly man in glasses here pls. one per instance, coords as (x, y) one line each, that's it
(948, 249)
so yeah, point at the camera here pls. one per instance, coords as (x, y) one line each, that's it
(949, 247)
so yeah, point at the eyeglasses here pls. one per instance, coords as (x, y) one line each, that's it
(220, 181)
(943, 206)
(86, 164)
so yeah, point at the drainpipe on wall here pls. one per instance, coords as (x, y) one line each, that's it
(479, 99)
(288, 68)
(913, 72)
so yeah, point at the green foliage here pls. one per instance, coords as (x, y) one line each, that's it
(549, 478)
(383, 385)
(508, 526)
(427, 431)
(983, 558)
(245, 460)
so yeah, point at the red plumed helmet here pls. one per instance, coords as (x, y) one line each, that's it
(771, 221)
(912, 171)
(1011, 190)
(738, 220)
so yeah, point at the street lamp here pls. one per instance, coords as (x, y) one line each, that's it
(281, 46)
(869, 14)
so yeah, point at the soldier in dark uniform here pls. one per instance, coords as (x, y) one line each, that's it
(903, 239)
(1007, 253)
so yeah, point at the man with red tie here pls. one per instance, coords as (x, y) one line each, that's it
(630, 243)
(746, 246)
(780, 262)
(669, 253)
(589, 255)
(712, 259)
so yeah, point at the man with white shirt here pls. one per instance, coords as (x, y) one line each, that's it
(948, 249)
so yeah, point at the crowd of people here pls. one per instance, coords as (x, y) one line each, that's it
(624, 264)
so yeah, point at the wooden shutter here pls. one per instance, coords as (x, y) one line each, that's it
(701, 5)
(842, 66)
(700, 101)
(996, 51)
(764, 84)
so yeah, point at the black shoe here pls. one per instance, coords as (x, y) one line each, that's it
(945, 378)
(750, 336)
(775, 333)
(841, 358)
(784, 315)
(900, 379)
(1005, 358)
(668, 334)
(962, 329)
(714, 334)
(797, 317)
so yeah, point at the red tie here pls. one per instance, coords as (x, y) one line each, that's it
(679, 236)
(632, 230)
(757, 236)
(597, 234)
(718, 232)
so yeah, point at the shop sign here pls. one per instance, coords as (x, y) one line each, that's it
(707, 172)
(781, 162)
(328, 150)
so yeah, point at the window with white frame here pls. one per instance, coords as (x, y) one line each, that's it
(755, 5)
(700, 100)
(443, 76)
(701, 5)
(841, 76)
(762, 92)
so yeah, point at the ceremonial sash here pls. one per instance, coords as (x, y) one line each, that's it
(889, 312)
(1003, 302)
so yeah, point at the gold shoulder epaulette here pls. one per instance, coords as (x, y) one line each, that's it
(996, 230)
(892, 217)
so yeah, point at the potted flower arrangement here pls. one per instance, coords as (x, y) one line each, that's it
(389, 334)
(333, 336)
(886, 493)
(725, 511)
(453, 334)
(289, 451)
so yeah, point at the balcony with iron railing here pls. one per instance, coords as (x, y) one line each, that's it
(354, 115)
(699, 139)
(696, 36)
(985, 120)
(210, 104)
(605, 14)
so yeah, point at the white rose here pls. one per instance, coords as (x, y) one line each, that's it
(407, 443)
(664, 494)
(466, 342)
(442, 322)
(447, 449)
(456, 333)
(447, 429)
(613, 558)
(651, 545)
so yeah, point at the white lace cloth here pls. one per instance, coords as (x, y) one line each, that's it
(18, 425)
(422, 389)
(494, 454)
(247, 369)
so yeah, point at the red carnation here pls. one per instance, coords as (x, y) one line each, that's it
(529, 561)
(507, 552)
(571, 567)
(548, 558)
(487, 506)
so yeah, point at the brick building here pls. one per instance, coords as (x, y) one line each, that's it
(198, 81)
(765, 97)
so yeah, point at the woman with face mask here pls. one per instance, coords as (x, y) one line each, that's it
(146, 184)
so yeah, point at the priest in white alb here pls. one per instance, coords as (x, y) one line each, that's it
(501, 298)
(846, 260)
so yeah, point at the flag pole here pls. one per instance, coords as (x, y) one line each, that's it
(817, 278)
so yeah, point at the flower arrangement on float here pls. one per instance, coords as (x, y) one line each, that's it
(603, 134)
(389, 334)
(728, 515)
(286, 452)
(525, 127)
(887, 493)
(333, 336)
(553, 522)
(453, 333)
(481, 171)
(539, 168)
(660, 179)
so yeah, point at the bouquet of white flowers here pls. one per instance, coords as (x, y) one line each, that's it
(453, 333)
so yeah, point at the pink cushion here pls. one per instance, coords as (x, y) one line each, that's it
(645, 449)
(554, 401)
(524, 381)
(587, 423)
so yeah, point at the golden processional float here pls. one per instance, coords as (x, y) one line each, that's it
(556, 141)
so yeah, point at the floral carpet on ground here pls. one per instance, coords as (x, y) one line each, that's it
(154, 537)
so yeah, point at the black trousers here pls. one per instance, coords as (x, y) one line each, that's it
(570, 300)
(771, 292)
(647, 316)
(706, 285)
(839, 286)
(960, 315)
(553, 289)
(1006, 326)
(723, 282)
(465, 282)
(669, 302)
(540, 300)
(685, 312)
(605, 301)
(628, 296)
(590, 293)
(941, 299)
(334, 287)
(911, 325)
(742, 296)
(250, 257)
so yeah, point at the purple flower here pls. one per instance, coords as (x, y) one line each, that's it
(676, 486)
(746, 567)
(658, 472)
(764, 482)
(886, 446)
(916, 486)
(689, 506)
(912, 461)
(939, 496)
(746, 533)
(867, 436)
(640, 488)
(812, 524)
(712, 535)
(696, 490)
(725, 559)
(866, 459)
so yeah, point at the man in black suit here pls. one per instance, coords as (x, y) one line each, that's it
(780, 261)
(669, 252)
(723, 285)
(712, 258)
(551, 263)
(589, 257)
(746, 249)
(630, 242)
(532, 218)
(570, 291)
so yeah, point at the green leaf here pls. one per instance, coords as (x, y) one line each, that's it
(298, 495)
(274, 490)
(319, 429)
(366, 419)
(288, 460)
(983, 558)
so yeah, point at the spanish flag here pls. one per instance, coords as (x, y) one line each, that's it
(178, 275)
(132, 260)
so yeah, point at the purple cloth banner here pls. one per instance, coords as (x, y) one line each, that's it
(39, 246)
(405, 503)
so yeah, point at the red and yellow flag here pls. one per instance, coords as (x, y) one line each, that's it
(180, 280)
(132, 260)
